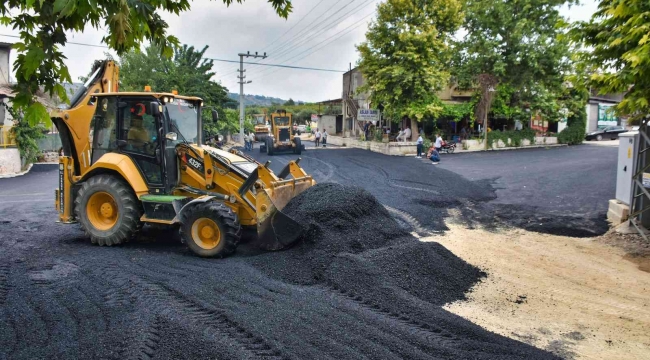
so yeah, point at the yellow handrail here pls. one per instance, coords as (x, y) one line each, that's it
(7, 138)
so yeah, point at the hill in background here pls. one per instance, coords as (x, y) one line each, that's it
(259, 100)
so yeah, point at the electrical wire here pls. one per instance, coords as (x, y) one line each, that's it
(308, 38)
(321, 47)
(215, 59)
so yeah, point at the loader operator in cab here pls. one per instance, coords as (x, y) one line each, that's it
(138, 136)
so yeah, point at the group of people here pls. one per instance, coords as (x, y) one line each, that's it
(434, 150)
(402, 135)
(320, 137)
(249, 140)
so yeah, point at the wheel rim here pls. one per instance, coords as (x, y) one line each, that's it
(206, 233)
(102, 210)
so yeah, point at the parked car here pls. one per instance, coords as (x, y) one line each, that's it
(610, 132)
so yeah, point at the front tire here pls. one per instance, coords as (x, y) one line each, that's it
(108, 210)
(298, 149)
(269, 146)
(599, 138)
(210, 229)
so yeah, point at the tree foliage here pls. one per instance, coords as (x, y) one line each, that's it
(43, 25)
(618, 39)
(406, 54)
(187, 72)
(524, 44)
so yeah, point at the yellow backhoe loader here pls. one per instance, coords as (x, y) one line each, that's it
(131, 158)
(282, 138)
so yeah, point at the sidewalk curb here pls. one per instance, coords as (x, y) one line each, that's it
(8, 176)
(459, 151)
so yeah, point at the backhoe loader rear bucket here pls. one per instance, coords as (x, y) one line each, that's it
(275, 229)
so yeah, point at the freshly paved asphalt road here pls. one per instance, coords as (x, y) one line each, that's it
(562, 190)
(61, 297)
(556, 190)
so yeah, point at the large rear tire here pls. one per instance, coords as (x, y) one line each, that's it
(210, 229)
(298, 149)
(108, 210)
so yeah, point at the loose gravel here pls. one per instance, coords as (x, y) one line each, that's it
(357, 286)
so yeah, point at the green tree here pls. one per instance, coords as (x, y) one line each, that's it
(524, 45)
(186, 72)
(42, 26)
(290, 102)
(404, 58)
(618, 39)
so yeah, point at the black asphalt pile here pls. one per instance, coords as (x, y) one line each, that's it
(351, 241)
(375, 290)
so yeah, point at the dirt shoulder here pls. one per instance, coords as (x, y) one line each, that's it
(579, 298)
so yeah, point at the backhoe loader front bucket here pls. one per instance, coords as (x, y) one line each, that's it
(275, 229)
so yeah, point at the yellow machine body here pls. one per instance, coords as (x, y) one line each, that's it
(191, 173)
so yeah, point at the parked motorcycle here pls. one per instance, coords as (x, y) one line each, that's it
(448, 147)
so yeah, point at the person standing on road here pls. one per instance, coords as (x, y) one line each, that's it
(420, 143)
(251, 140)
(246, 141)
(317, 138)
(324, 137)
(438, 144)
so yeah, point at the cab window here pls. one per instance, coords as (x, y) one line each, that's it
(138, 128)
(103, 128)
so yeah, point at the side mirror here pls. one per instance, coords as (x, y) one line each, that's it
(121, 143)
(215, 115)
(172, 136)
(154, 108)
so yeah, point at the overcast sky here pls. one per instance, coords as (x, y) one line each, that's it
(318, 34)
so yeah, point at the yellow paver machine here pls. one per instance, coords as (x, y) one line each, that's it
(131, 158)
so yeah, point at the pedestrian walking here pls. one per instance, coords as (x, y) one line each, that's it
(324, 138)
(317, 138)
(463, 133)
(366, 130)
(438, 144)
(420, 143)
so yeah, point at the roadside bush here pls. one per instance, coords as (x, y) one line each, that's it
(572, 135)
(516, 137)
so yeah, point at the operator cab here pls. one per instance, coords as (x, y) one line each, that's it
(137, 125)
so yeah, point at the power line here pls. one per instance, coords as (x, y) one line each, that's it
(221, 60)
(67, 42)
(307, 38)
(296, 24)
(279, 46)
(277, 65)
(320, 48)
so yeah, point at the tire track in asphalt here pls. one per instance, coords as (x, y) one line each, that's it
(390, 182)
(215, 320)
(433, 334)
(412, 222)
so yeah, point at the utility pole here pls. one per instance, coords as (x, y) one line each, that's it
(242, 81)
